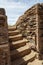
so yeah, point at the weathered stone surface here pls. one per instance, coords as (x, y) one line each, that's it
(2, 11)
(26, 35)
(33, 21)
(4, 44)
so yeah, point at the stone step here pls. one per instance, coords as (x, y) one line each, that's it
(15, 32)
(20, 52)
(36, 62)
(16, 37)
(12, 28)
(17, 44)
(24, 60)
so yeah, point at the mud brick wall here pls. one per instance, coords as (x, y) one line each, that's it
(4, 44)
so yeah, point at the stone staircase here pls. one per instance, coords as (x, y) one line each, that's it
(24, 45)
(24, 60)
(20, 51)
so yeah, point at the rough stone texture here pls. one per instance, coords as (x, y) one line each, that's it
(4, 44)
(2, 11)
(25, 38)
(32, 26)
(29, 26)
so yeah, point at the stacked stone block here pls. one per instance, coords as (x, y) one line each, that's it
(32, 26)
(40, 30)
(4, 44)
(28, 24)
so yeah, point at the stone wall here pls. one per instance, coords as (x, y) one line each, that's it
(27, 25)
(4, 44)
(30, 25)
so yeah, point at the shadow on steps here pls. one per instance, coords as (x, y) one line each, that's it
(17, 59)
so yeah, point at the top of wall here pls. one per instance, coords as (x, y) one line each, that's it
(34, 6)
(2, 11)
(30, 12)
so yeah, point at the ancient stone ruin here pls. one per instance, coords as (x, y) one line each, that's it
(22, 44)
(4, 43)
(31, 26)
